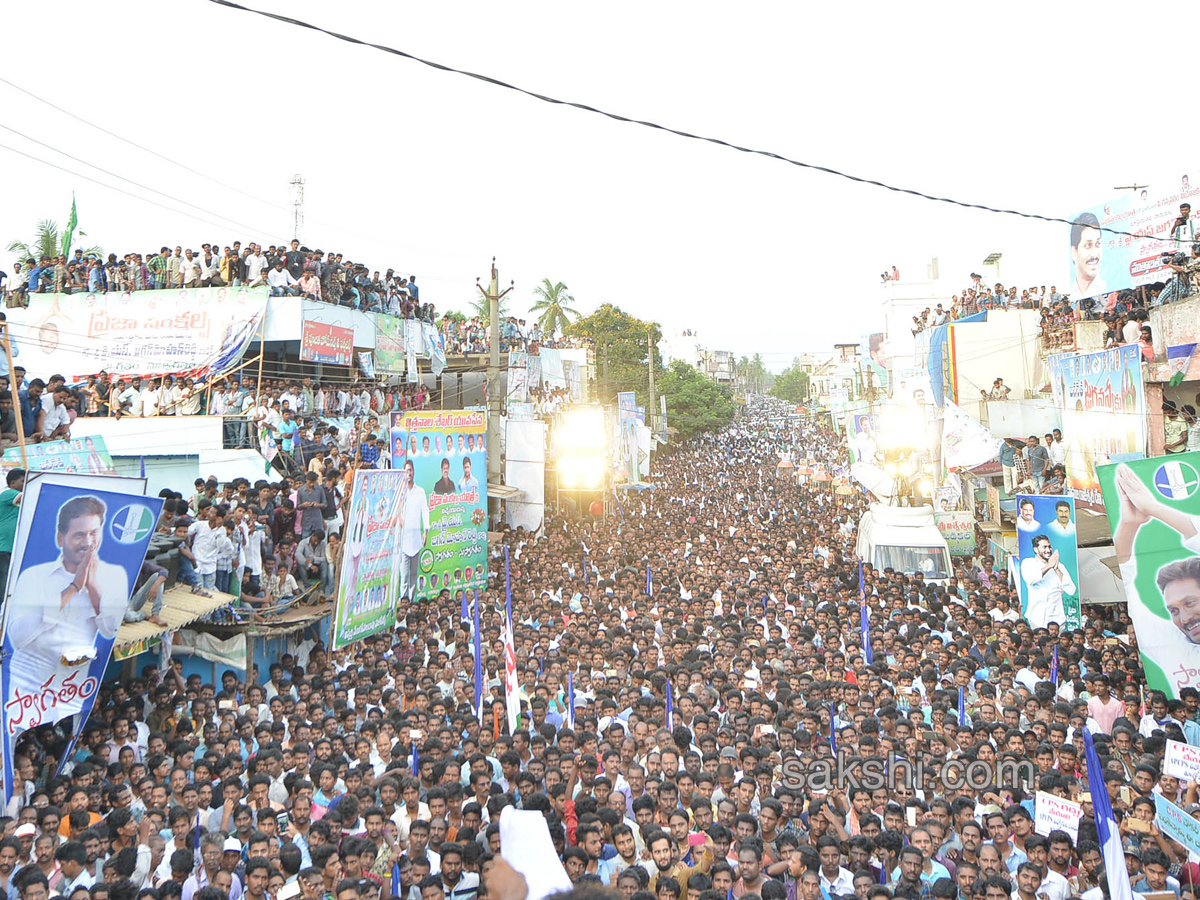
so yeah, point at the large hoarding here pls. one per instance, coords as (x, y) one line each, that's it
(79, 547)
(1048, 560)
(199, 330)
(1154, 513)
(1102, 261)
(369, 583)
(446, 548)
(1103, 402)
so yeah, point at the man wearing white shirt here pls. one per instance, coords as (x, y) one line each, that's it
(413, 532)
(56, 423)
(1046, 580)
(61, 608)
(281, 281)
(1062, 526)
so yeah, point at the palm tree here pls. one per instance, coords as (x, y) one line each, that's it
(553, 310)
(481, 307)
(47, 242)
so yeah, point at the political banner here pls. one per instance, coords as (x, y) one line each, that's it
(1051, 813)
(83, 456)
(202, 331)
(1102, 261)
(1176, 823)
(434, 348)
(331, 345)
(1103, 402)
(965, 443)
(1182, 760)
(444, 532)
(366, 364)
(862, 438)
(368, 588)
(552, 368)
(958, 528)
(533, 372)
(1048, 560)
(516, 377)
(389, 344)
(1154, 513)
(399, 440)
(414, 344)
(79, 547)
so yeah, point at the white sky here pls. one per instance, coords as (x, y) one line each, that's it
(435, 173)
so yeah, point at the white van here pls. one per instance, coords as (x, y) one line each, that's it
(905, 539)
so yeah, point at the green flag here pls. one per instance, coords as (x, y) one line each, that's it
(70, 230)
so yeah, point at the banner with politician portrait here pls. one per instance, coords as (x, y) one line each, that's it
(368, 586)
(443, 540)
(1048, 561)
(79, 548)
(1154, 513)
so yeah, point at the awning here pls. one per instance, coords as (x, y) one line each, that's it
(502, 491)
(180, 608)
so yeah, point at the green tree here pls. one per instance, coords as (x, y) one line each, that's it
(791, 384)
(47, 241)
(553, 309)
(481, 307)
(695, 404)
(621, 343)
(753, 374)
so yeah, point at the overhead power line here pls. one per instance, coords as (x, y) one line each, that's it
(113, 134)
(545, 98)
(110, 187)
(129, 180)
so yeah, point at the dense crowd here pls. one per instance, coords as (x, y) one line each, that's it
(709, 634)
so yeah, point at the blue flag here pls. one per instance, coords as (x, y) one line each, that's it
(570, 700)
(1106, 826)
(962, 707)
(649, 581)
(1054, 666)
(507, 588)
(670, 708)
(463, 614)
(585, 570)
(143, 466)
(866, 617)
(478, 663)
(832, 732)
(196, 848)
(416, 761)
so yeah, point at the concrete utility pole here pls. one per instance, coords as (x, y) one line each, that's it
(493, 295)
(650, 352)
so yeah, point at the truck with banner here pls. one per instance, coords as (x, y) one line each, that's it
(1154, 513)
(445, 453)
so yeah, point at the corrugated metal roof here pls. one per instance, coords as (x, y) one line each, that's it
(180, 608)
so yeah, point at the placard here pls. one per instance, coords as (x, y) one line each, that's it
(1051, 813)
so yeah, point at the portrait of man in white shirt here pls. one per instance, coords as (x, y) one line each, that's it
(60, 608)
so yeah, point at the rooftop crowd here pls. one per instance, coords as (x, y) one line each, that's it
(288, 269)
(728, 595)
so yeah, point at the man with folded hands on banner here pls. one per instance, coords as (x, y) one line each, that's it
(59, 607)
(1178, 582)
(1046, 580)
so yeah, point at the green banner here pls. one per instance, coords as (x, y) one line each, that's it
(367, 589)
(1154, 511)
(447, 548)
(389, 345)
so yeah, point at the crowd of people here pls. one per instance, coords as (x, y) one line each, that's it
(288, 269)
(690, 665)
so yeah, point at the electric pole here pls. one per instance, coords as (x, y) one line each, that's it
(650, 356)
(493, 295)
